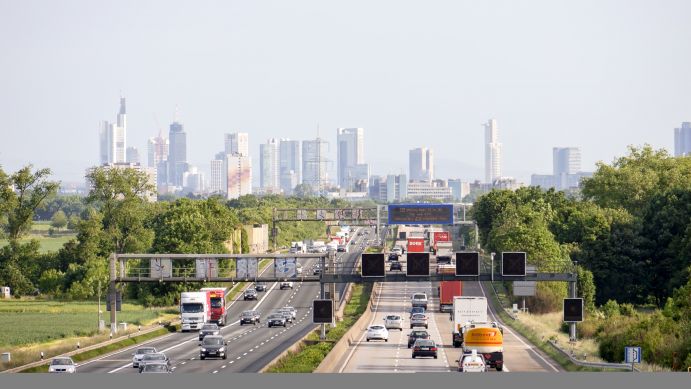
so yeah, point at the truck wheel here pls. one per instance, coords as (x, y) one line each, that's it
(500, 367)
(202, 357)
(413, 356)
(225, 356)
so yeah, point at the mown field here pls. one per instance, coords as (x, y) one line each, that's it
(28, 322)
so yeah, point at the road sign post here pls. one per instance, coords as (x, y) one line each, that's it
(632, 355)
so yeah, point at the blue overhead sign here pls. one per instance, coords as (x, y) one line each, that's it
(421, 214)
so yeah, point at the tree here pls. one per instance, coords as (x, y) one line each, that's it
(73, 222)
(19, 205)
(119, 194)
(303, 191)
(59, 220)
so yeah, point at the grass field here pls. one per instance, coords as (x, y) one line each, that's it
(39, 231)
(27, 322)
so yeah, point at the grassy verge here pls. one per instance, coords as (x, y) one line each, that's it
(538, 340)
(86, 355)
(309, 355)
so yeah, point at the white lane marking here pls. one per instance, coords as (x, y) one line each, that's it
(214, 372)
(182, 363)
(519, 339)
(238, 357)
(125, 349)
(244, 354)
(233, 361)
(223, 367)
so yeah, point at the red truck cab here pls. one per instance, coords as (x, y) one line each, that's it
(217, 303)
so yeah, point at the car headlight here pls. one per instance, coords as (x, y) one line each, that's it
(203, 349)
(222, 349)
(51, 369)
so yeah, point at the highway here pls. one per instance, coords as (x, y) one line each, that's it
(394, 355)
(250, 348)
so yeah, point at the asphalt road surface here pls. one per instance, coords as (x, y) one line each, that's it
(250, 347)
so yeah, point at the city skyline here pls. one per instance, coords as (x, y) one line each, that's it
(542, 93)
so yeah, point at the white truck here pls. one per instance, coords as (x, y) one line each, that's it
(298, 248)
(466, 309)
(195, 310)
(444, 252)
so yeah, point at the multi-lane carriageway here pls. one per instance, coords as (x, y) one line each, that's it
(250, 348)
(395, 357)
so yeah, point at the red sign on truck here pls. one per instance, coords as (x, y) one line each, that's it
(416, 245)
(442, 236)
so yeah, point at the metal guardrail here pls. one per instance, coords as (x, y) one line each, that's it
(600, 365)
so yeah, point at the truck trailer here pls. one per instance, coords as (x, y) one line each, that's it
(448, 290)
(467, 309)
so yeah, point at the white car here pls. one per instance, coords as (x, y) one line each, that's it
(393, 321)
(472, 363)
(62, 365)
(139, 354)
(377, 332)
(419, 300)
(293, 312)
(286, 285)
(298, 268)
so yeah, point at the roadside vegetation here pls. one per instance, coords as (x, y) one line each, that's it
(629, 233)
(312, 351)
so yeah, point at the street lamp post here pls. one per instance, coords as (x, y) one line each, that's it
(492, 268)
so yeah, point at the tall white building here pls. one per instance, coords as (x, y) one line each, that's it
(216, 181)
(133, 155)
(682, 140)
(421, 164)
(113, 138)
(237, 143)
(290, 165)
(566, 160)
(239, 176)
(351, 157)
(269, 165)
(314, 164)
(492, 151)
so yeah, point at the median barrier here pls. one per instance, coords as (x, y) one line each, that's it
(332, 362)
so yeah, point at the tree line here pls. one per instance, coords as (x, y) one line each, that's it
(116, 218)
(630, 233)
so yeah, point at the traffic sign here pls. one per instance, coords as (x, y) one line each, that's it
(513, 264)
(417, 264)
(632, 354)
(468, 264)
(322, 311)
(573, 310)
(373, 265)
(118, 301)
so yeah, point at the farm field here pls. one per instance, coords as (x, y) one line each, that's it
(26, 322)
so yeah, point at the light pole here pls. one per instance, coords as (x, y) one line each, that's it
(492, 268)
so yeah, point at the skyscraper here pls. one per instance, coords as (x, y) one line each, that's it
(157, 150)
(133, 155)
(239, 176)
(682, 140)
(566, 160)
(492, 151)
(290, 165)
(113, 138)
(314, 163)
(421, 164)
(177, 156)
(237, 143)
(216, 185)
(269, 165)
(351, 157)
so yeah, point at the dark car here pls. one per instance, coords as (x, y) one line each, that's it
(209, 329)
(157, 367)
(249, 317)
(250, 294)
(276, 320)
(424, 348)
(156, 358)
(415, 335)
(393, 257)
(395, 266)
(213, 346)
(260, 287)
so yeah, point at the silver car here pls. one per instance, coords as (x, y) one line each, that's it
(139, 354)
(418, 320)
(62, 365)
(293, 312)
(153, 358)
(393, 321)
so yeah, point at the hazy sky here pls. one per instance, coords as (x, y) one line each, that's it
(596, 74)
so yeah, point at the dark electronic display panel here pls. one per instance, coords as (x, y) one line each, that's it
(421, 214)
(322, 311)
